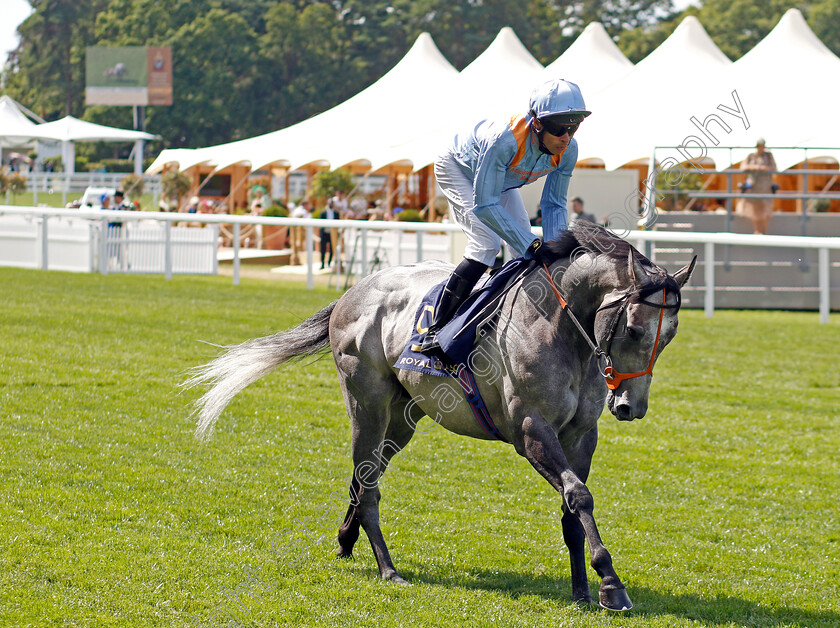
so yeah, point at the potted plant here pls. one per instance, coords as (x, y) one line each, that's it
(275, 236)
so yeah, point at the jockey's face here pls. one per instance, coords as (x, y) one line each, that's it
(555, 144)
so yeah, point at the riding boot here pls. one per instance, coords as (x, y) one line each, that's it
(456, 290)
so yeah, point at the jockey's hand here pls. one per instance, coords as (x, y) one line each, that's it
(539, 251)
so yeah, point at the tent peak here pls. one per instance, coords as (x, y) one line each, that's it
(688, 39)
(504, 47)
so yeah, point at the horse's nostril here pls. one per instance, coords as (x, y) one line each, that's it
(624, 412)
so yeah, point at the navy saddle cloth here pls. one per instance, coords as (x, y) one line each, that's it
(458, 335)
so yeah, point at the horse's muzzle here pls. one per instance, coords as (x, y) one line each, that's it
(623, 408)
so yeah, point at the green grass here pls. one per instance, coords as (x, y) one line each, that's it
(53, 199)
(720, 507)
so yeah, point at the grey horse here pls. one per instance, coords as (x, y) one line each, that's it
(565, 339)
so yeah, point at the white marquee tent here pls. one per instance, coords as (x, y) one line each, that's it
(788, 83)
(593, 61)
(652, 104)
(635, 108)
(14, 125)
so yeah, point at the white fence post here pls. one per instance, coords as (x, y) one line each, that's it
(167, 249)
(364, 233)
(103, 246)
(236, 231)
(45, 243)
(419, 246)
(824, 280)
(310, 244)
(709, 275)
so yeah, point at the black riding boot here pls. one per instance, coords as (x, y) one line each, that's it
(457, 288)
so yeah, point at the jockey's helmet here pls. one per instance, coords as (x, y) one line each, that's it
(557, 102)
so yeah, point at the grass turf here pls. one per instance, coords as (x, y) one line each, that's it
(720, 507)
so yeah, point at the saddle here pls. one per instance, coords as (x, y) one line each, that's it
(457, 337)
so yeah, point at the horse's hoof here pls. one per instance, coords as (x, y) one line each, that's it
(396, 578)
(583, 599)
(615, 599)
(344, 554)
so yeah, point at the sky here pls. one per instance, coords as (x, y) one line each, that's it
(14, 11)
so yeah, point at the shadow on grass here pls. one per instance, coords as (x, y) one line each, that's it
(647, 602)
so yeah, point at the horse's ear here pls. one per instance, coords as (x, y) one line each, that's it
(683, 274)
(635, 269)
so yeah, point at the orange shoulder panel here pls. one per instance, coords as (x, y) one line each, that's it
(519, 126)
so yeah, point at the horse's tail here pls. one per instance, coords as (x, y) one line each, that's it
(243, 364)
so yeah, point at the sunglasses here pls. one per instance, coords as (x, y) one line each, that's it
(559, 130)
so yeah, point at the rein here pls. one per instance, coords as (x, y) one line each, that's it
(610, 374)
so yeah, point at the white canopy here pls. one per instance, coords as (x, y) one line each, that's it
(686, 93)
(473, 94)
(593, 61)
(788, 84)
(652, 105)
(14, 125)
(70, 129)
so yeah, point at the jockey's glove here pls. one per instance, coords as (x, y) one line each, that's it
(538, 251)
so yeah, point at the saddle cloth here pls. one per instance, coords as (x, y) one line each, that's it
(457, 337)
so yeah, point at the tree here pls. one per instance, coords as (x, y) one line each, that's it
(824, 19)
(48, 70)
(327, 183)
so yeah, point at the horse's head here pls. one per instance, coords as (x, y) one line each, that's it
(632, 327)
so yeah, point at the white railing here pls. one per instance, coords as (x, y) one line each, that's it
(822, 244)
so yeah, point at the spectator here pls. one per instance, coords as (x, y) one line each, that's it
(760, 166)
(304, 210)
(328, 235)
(578, 213)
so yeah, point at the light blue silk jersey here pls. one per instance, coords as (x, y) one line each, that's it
(500, 156)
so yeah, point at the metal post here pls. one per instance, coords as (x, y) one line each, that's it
(103, 246)
(729, 200)
(805, 198)
(363, 266)
(310, 275)
(709, 275)
(167, 251)
(236, 230)
(45, 244)
(825, 292)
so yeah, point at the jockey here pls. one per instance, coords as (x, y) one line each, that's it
(480, 174)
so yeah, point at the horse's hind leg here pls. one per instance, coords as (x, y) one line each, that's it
(380, 430)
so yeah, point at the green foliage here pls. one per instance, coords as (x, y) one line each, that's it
(328, 183)
(174, 184)
(115, 515)
(132, 185)
(409, 215)
(276, 210)
(56, 162)
(12, 182)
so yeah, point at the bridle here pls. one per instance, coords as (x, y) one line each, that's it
(613, 377)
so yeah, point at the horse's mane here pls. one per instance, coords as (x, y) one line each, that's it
(583, 235)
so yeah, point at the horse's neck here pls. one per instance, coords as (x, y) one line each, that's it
(586, 282)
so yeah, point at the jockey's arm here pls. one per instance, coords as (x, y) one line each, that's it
(553, 202)
(487, 190)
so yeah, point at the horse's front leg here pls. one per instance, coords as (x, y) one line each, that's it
(542, 449)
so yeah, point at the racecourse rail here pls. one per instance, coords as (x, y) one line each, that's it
(822, 244)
